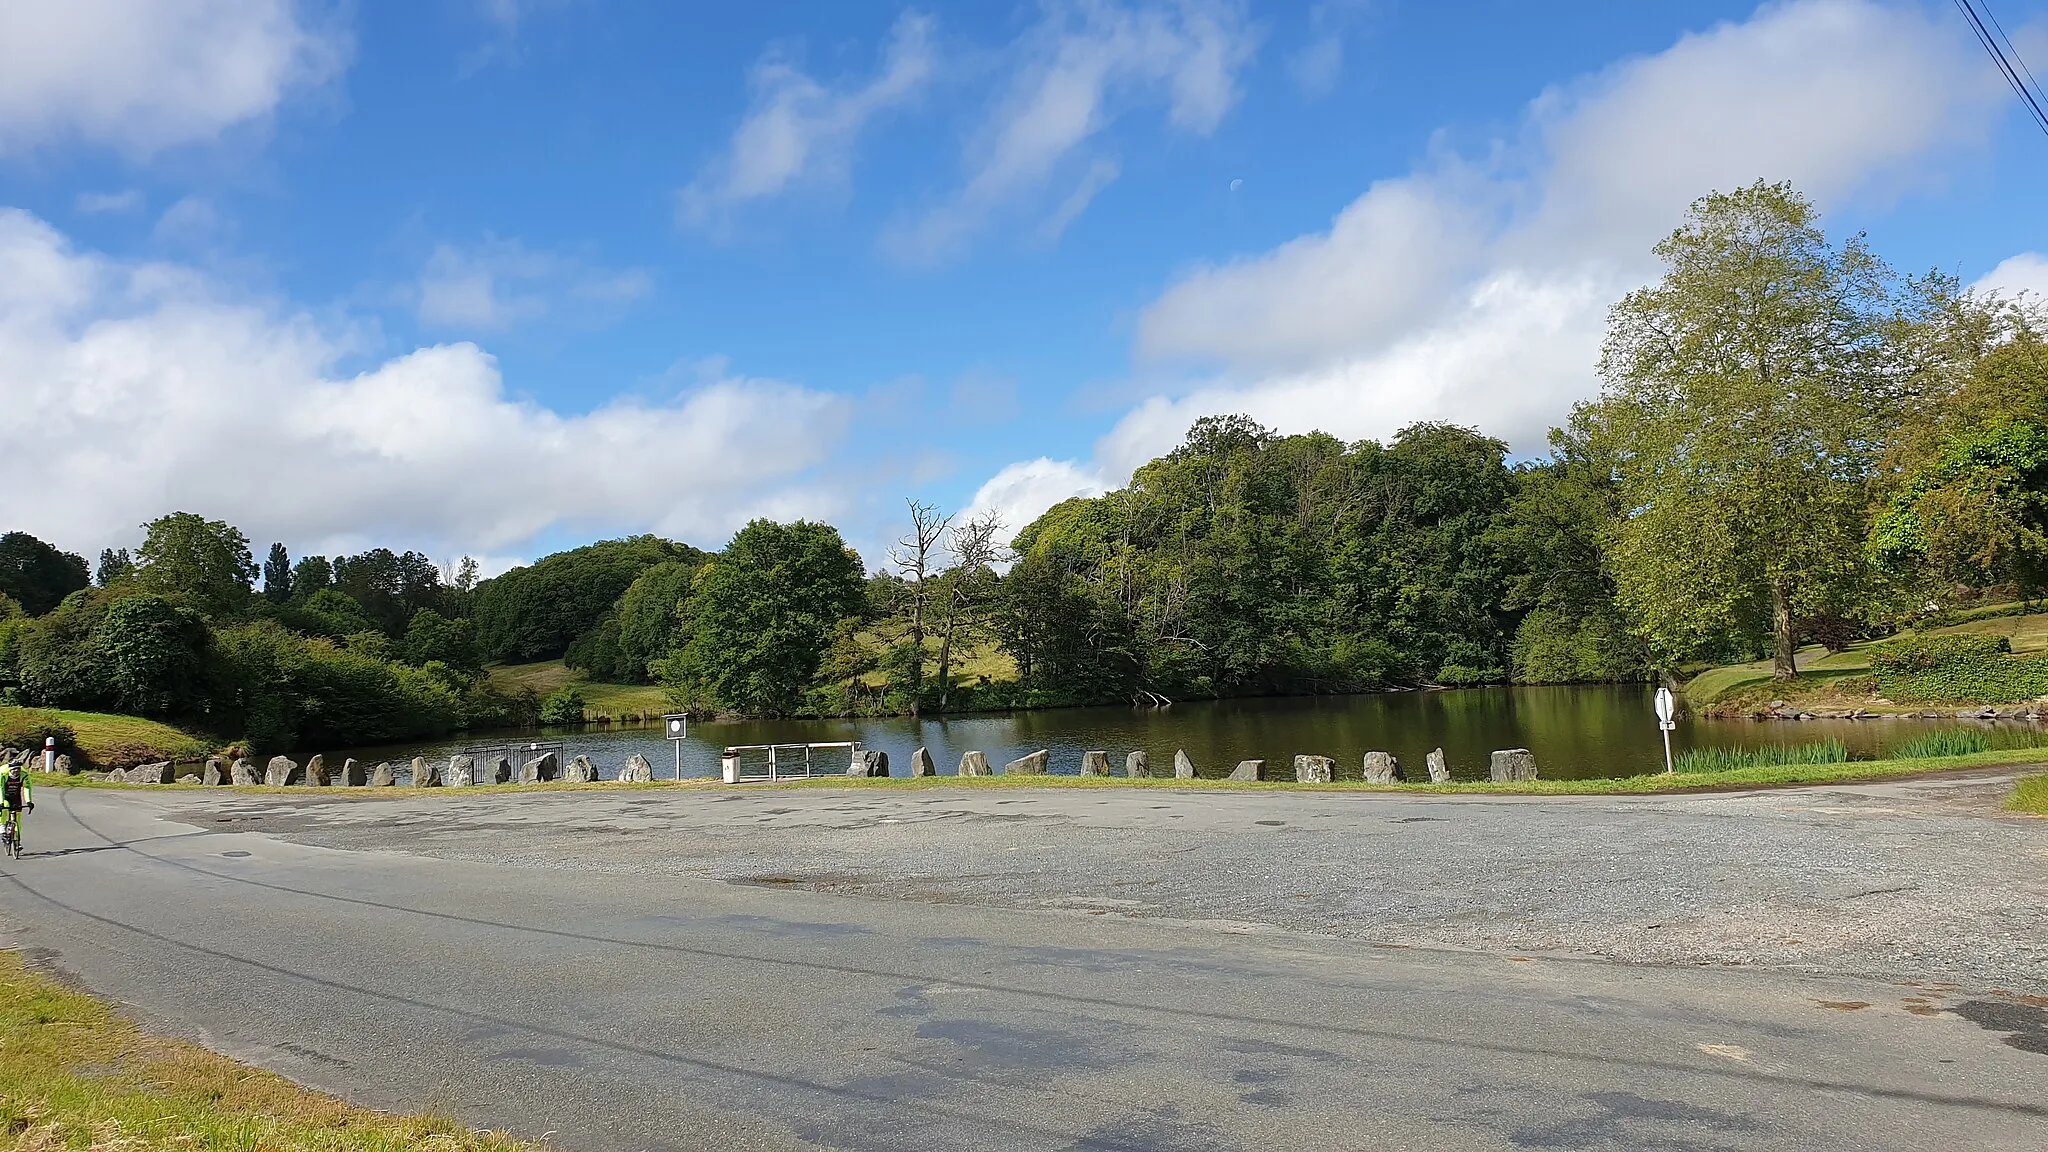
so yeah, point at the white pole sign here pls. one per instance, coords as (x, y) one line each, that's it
(678, 731)
(1667, 708)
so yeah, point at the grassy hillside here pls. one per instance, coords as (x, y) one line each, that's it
(110, 741)
(1740, 685)
(600, 700)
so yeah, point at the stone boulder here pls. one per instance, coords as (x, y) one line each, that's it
(580, 771)
(281, 771)
(974, 764)
(1383, 768)
(461, 772)
(869, 762)
(353, 773)
(1511, 765)
(316, 771)
(1136, 766)
(1032, 765)
(1183, 768)
(425, 775)
(157, 773)
(385, 775)
(501, 771)
(637, 770)
(1094, 763)
(1314, 769)
(243, 772)
(116, 776)
(1247, 769)
(542, 769)
(214, 773)
(1439, 768)
(64, 763)
(921, 764)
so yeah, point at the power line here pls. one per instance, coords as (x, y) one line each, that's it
(2007, 58)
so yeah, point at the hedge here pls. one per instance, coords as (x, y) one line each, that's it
(1960, 668)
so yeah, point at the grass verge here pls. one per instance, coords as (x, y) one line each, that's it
(2031, 796)
(1760, 776)
(111, 741)
(75, 1074)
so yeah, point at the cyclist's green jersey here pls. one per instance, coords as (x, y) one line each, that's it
(7, 786)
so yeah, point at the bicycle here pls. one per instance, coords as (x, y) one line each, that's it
(10, 832)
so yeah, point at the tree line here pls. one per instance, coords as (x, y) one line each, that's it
(1791, 443)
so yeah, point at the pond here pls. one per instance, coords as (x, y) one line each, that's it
(1576, 731)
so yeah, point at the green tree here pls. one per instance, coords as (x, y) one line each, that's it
(1745, 397)
(310, 575)
(762, 615)
(277, 575)
(115, 564)
(433, 637)
(205, 561)
(154, 654)
(37, 575)
(535, 612)
(391, 586)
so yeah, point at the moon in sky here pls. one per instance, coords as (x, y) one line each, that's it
(1236, 184)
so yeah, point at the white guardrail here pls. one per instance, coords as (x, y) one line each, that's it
(786, 761)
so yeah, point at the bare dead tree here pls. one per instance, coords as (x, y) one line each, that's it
(913, 557)
(973, 547)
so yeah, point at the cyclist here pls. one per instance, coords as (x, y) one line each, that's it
(17, 795)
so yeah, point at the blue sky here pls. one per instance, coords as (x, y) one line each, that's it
(496, 276)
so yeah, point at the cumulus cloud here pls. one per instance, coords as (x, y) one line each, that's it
(1475, 290)
(152, 387)
(96, 203)
(499, 283)
(2025, 273)
(1024, 491)
(1083, 65)
(799, 129)
(142, 75)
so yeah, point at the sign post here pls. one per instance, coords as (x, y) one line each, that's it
(49, 753)
(1666, 709)
(678, 726)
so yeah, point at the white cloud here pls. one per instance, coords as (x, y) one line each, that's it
(95, 203)
(1023, 491)
(1475, 290)
(2026, 272)
(799, 129)
(152, 387)
(1317, 65)
(144, 75)
(500, 283)
(1082, 66)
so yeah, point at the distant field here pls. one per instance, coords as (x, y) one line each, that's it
(615, 701)
(122, 741)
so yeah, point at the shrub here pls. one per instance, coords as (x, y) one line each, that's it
(29, 727)
(1769, 756)
(1957, 668)
(1856, 685)
(562, 706)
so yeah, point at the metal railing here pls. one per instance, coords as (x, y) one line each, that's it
(786, 761)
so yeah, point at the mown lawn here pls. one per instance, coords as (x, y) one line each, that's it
(75, 1074)
(1744, 684)
(615, 701)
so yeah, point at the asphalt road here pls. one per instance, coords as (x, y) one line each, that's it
(517, 974)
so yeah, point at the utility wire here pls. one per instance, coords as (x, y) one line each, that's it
(2007, 58)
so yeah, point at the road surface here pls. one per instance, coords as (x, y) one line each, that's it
(575, 965)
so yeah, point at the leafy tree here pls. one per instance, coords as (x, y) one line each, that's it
(763, 614)
(331, 613)
(432, 637)
(391, 586)
(651, 615)
(310, 575)
(154, 655)
(562, 706)
(115, 564)
(205, 561)
(277, 575)
(535, 612)
(1744, 399)
(37, 575)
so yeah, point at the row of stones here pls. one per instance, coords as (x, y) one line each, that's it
(461, 771)
(31, 758)
(1779, 710)
(1507, 765)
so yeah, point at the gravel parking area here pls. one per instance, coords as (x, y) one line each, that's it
(1906, 881)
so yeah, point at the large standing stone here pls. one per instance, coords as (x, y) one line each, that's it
(353, 773)
(1383, 768)
(1032, 765)
(1183, 768)
(1314, 770)
(1094, 763)
(1439, 768)
(243, 772)
(637, 770)
(280, 771)
(540, 770)
(974, 764)
(1513, 764)
(580, 771)
(425, 775)
(501, 770)
(1136, 766)
(385, 775)
(214, 773)
(157, 773)
(316, 771)
(869, 762)
(1247, 769)
(921, 764)
(461, 772)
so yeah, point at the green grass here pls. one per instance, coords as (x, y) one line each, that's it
(1701, 760)
(2031, 796)
(111, 741)
(609, 701)
(1751, 683)
(75, 1074)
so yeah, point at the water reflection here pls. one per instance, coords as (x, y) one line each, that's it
(1575, 731)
